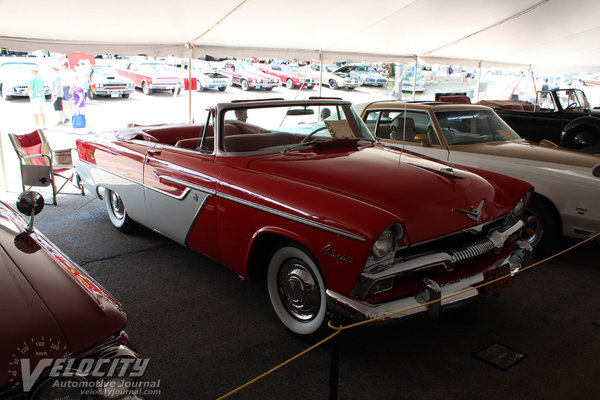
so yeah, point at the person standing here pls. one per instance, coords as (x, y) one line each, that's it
(37, 98)
(68, 80)
(57, 96)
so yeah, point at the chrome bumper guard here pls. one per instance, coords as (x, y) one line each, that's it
(377, 273)
(449, 294)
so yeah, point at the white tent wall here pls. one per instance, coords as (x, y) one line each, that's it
(543, 34)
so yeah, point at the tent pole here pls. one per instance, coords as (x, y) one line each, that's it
(4, 183)
(191, 49)
(320, 72)
(415, 79)
(478, 81)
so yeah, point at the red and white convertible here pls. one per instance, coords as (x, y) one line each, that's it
(247, 76)
(333, 220)
(291, 75)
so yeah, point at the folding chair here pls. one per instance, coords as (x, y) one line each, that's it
(40, 165)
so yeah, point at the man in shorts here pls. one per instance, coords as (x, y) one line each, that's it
(57, 96)
(37, 98)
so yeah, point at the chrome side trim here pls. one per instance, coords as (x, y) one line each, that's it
(234, 199)
(292, 217)
(188, 185)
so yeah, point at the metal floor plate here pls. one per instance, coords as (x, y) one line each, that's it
(500, 356)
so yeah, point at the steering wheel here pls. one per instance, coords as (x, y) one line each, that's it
(572, 105)
(310, 135)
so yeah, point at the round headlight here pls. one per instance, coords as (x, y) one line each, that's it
(520, 207)
(384, 244)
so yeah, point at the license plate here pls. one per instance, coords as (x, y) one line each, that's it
(115, 94)
(493, 276)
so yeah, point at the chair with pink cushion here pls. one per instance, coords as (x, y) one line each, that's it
(40, 165)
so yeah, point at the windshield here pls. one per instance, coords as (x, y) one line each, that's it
(104, 70)
(473, 126)
(293, 68)
(366, 68)
(271, 129)
(571, 99)
(155, 67)
(202, 66)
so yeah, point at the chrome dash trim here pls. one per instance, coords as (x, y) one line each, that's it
(292, 217)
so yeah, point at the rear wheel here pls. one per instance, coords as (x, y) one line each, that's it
(297, 290)
(117, 213)
(542, 229)
(222, 88)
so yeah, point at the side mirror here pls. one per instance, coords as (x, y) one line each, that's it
(30, 203)
(422, 138)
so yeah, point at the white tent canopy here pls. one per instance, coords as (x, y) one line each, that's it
(543, 34)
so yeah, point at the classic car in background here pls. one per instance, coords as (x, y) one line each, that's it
(150, 76)
(247, 76)
(367, 74)
(208, 78)
(290, 75)
(563, 116)
(567, 183)
(335, 80)
(51, 310)
(105, 81)
(330, 217)
(15, 77)
(409, 80)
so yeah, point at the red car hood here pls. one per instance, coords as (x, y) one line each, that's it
(50, 307)
(410, 187)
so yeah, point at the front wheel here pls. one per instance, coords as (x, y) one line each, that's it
(542, 229)
(297, 290)
(146, 88)
(117, 213)
(245, 85)
(222, 88)
(333, 84)
(289, 84)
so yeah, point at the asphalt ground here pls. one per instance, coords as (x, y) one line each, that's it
(206, 331)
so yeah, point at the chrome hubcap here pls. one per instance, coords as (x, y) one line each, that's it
(117, 205)
(532, 231)
(298, 290)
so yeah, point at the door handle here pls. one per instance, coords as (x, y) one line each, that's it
(154, 151)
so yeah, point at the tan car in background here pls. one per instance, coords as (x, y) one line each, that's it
(567, 183)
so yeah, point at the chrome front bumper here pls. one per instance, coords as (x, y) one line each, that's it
(449, 294)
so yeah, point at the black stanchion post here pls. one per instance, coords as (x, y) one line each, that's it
(335, 364)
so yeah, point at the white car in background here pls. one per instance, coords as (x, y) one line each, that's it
(208, 78)
(567, 183)
(15, 77)
(335, 80)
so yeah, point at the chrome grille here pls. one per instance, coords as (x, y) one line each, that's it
(473, 250)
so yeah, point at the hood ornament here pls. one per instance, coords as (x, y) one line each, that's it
(475, 212)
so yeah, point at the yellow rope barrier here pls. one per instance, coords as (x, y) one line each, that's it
(338, 329)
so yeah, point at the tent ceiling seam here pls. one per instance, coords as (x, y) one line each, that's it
(517, 15)
(232, 11)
